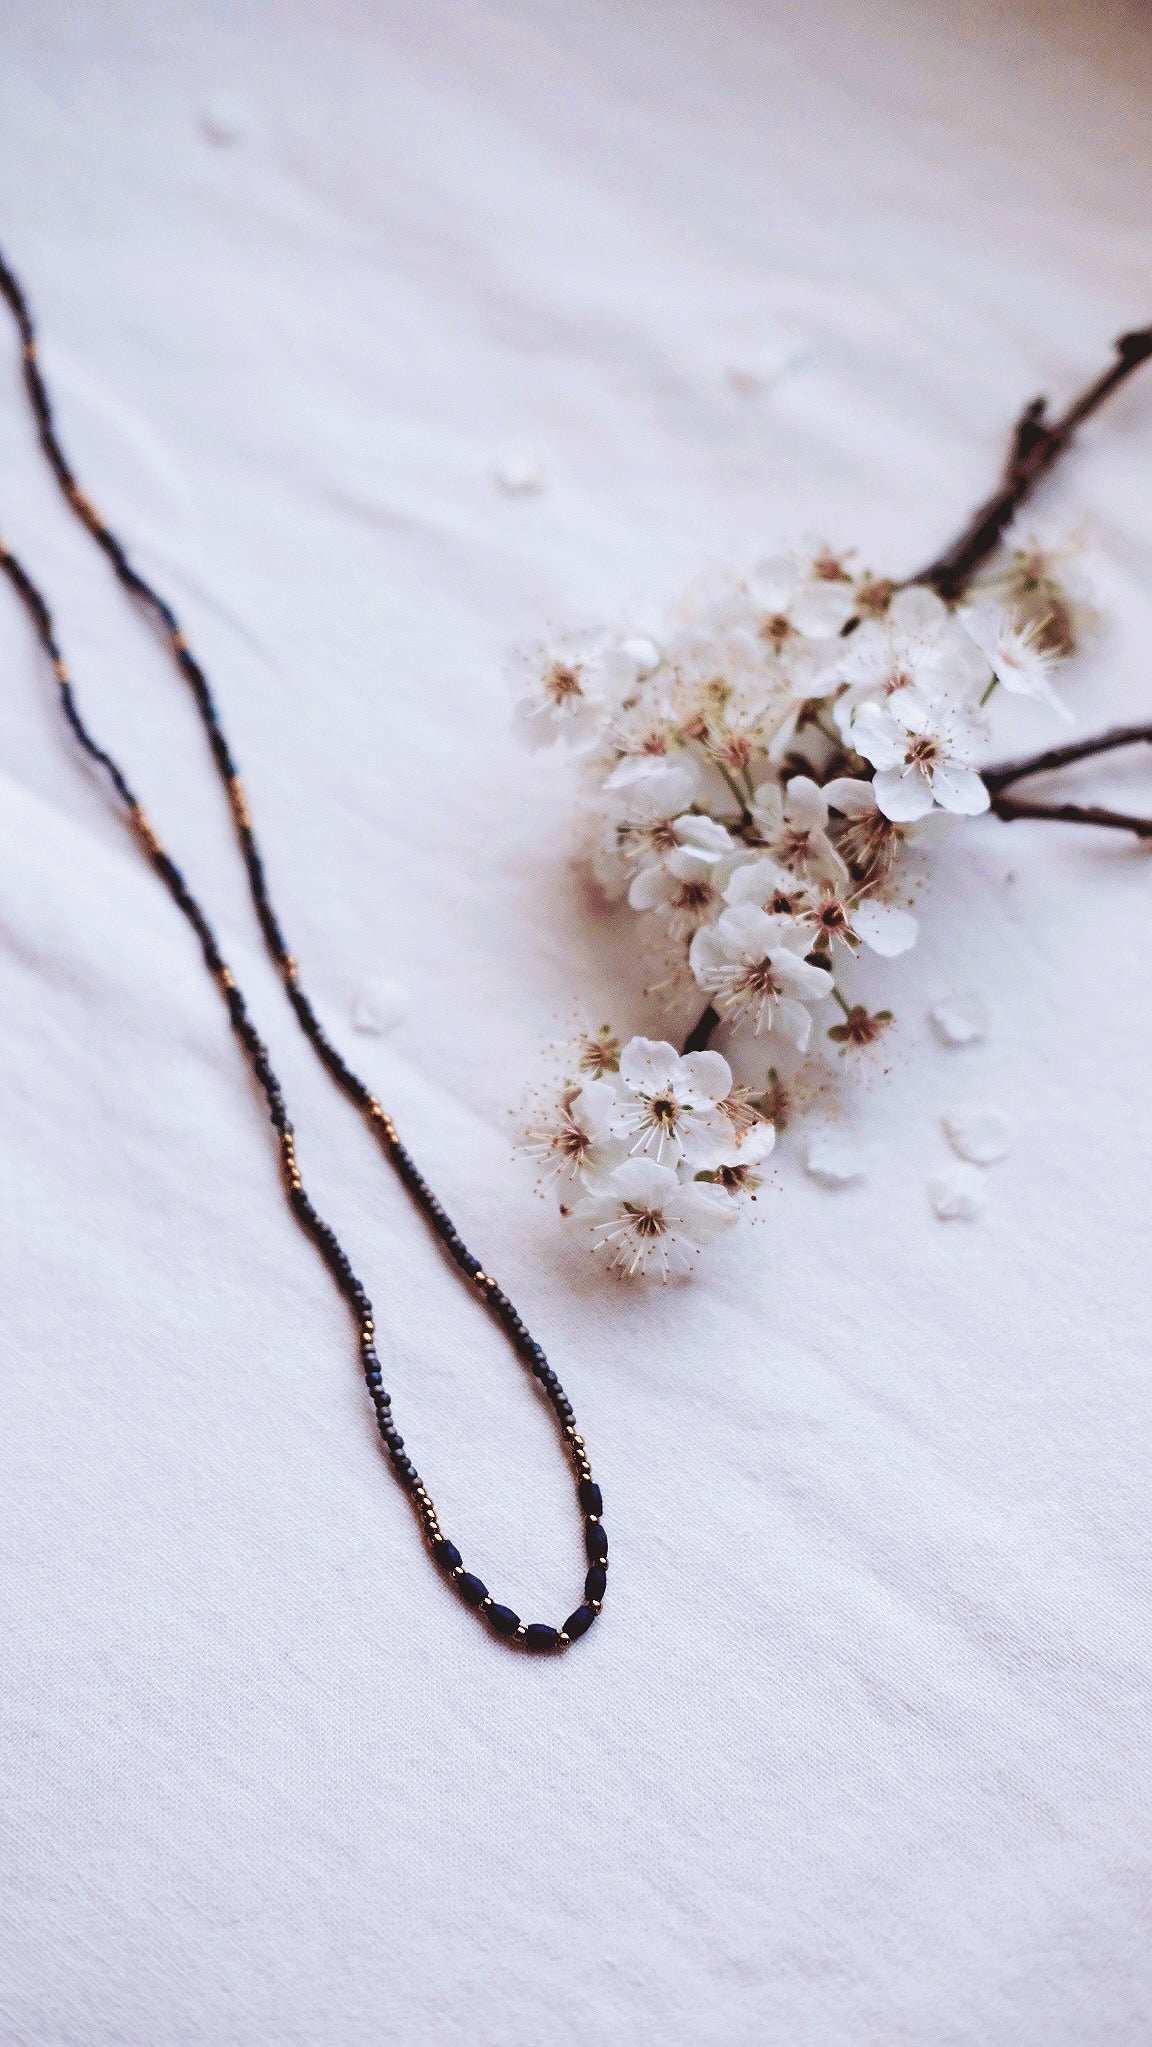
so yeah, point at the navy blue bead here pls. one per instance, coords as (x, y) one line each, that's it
(578, 1623)
(590, 1498)
(472, 1588)
(503, 1620)
(539, 1637)
(596, 1582)
(448, 1554)
(596, 1542)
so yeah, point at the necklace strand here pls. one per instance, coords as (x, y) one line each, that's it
(501, 1620)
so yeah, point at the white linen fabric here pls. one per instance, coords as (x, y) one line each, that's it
(858, 1753)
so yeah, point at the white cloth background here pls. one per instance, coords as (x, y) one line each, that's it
(858, 1753)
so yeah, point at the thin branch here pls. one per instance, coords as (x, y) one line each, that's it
(701, 1030)
(1065, 756)
(1011, 807)
(1036, 445)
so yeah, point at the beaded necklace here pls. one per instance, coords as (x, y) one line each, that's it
(503, 1623)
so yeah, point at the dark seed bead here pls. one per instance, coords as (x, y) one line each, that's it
(539, 1637)
(503, 1620)
(472, 1589)
(590, 1498)
(578, 1623)
(596, 1583)
(596, 1542)
(447, 1554)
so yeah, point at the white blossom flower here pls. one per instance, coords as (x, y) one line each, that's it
(751, 963)
(647, 841)
(916, 645)
(861, 920)
(1017, 653)
(575, 685)
(1040, 577)
(712, 805)
(805, 674)
(645, 1217)
(645, 786)
(669, 1102)
(869, 840)
(735, 1170)
(793, 824)
(768, 886)
(806, 591)
(687, 884)
(923, 752)
(575, 1141)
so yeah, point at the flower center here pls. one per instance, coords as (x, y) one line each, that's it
(832, 917)
(735, 750)
(795, 844)
(776, 629)
(664, 1111)
(695, 895)
(646, 1222)
(827, 568)
(562, 683)
(757, 983)
(924, 752)
(873, 598)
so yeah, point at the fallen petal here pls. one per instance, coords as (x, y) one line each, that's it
(378, 1006)
(520, 474)
(833, 1159)
(981, 1135)
(957, 1195)
(959, 1019)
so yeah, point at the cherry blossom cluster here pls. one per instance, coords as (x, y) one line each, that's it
(756, 775)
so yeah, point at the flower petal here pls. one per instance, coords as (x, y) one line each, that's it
(903, 794)
(707, 953)
(918, 610)
(805, 804)
(810, 983)
(768, 807)
(884, 928)
(875, 736)
(851, 796)
(648, 889)
(642, 1180)
(793, 1021)
(959, 789)
(757, 881)
(704, 835)
(710, 1075)
(648, 1065)
(593, 1106)
(702, 1213)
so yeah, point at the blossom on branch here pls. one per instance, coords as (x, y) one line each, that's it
(755, 779)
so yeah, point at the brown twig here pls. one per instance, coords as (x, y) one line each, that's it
(1036, 444)
(701, 1030)
(1010, 807)
(1065, 756)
